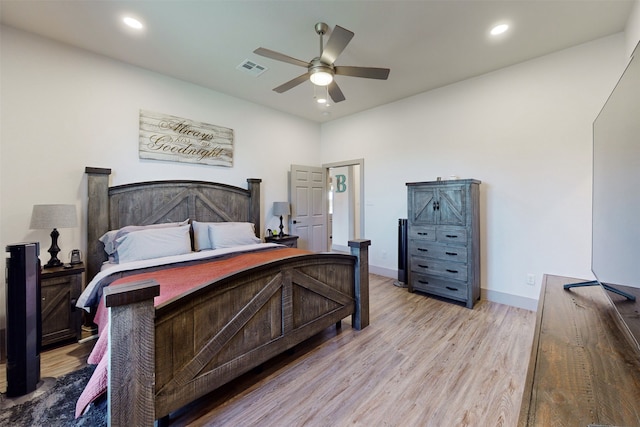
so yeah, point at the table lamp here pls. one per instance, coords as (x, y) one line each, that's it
(53, 216)
(281, 208)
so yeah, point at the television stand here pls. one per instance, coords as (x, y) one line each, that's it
(604, 285)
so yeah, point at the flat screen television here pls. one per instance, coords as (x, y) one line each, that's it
(615, 255)
(616, 183)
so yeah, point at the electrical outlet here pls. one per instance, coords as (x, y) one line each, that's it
(384, 254)
(531, 279)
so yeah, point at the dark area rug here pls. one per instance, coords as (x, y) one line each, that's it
(56, 406)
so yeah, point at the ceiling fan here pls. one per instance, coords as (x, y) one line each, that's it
(321, 69)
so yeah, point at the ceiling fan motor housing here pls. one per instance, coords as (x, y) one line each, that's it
(320, 74)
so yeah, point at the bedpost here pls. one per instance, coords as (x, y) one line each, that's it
(131, 381)
(360, 249)
(97, 217)
(254, 206)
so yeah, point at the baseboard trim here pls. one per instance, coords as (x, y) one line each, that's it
(486, 294)
(509, 299)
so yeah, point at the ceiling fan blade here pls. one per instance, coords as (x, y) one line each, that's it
(335, 92)
(339, 39)
(280, 57)
(292, 83)
(366, 72)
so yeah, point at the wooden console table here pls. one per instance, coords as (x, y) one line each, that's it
(583, 369)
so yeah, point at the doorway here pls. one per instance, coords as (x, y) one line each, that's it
(345, 195)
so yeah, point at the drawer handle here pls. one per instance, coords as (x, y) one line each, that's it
(423, 266)
(423, 250)
(451, 253)
(452, 236)
(451, 289)
(452, 271)
(424, 282)
(420, 233)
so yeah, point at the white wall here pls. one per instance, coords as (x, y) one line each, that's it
(63, 109)
(524, 131)
(632, 30)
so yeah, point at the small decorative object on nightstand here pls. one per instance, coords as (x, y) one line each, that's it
(287, 240)
(60, 289)
(280, 209)
(53, 216)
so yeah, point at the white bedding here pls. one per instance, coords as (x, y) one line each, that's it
(108, 268)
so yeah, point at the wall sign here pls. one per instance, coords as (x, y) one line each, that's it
(171, 138)
(341, 184)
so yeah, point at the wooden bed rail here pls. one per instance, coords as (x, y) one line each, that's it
(132, 377)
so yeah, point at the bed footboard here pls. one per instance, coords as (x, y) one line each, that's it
(222, 330)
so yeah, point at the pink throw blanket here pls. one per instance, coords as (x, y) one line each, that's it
(174, 281)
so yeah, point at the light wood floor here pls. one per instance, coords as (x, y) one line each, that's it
(421, 362)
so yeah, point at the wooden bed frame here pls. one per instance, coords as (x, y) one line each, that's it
(164, 357)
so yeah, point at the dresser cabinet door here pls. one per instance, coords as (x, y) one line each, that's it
(423, 206)
(451, 206)
(444, 206)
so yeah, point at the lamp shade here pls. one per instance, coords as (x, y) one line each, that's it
(281, 208)
(53, 216)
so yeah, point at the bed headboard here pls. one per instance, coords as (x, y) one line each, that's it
(155, 202)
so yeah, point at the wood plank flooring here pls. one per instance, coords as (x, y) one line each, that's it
(422, 361)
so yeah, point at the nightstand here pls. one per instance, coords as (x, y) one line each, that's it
(60, 288)
(287, 240)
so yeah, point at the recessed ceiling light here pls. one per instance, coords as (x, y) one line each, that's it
(499, 29)
(132, 22)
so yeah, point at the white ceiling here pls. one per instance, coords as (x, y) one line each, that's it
(426, 44)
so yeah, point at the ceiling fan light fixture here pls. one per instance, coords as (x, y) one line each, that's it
(320, 77)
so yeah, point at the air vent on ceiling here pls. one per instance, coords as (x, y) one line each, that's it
(252, 68)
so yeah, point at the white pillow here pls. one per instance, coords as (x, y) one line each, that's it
(230, 234)
(110, 237)
(153, 243)
(201, 238)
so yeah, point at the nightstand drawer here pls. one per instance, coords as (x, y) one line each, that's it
(287, 240)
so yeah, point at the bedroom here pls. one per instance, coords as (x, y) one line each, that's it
(64, 108)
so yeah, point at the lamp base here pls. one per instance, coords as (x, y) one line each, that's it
(281, 228)
(53, 262)
(53, 250)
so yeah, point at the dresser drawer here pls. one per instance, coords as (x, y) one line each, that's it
(451, 235)
(441, 287)
(433, 250)
(450, 270)
(422, 233)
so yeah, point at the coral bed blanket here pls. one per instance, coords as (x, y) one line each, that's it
(174, 281)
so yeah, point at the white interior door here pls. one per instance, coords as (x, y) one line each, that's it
(308, 192)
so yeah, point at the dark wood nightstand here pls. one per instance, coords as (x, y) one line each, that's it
(287, 239)
(60, 288)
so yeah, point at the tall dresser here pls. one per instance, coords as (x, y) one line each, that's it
(444, 239)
